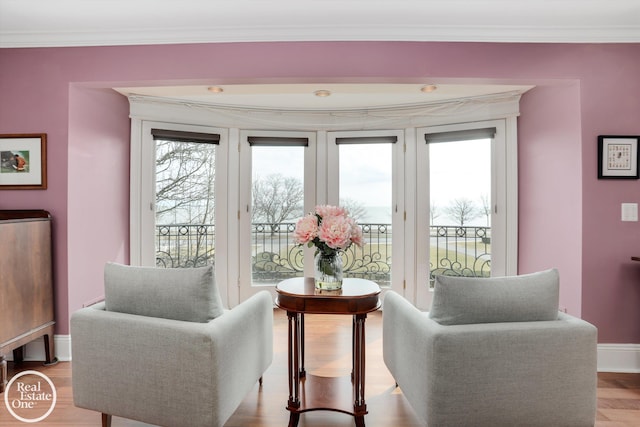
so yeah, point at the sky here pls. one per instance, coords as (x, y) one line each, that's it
(457, 170)
(365, 171)
(460, 170)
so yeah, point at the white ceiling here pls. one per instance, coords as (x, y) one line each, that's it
(60, 23)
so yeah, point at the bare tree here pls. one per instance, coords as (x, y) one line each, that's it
(486, 207)
(462, 210)
(185, 177)
(434, 212)
(356, 209)
(277, 198)
(185, 194)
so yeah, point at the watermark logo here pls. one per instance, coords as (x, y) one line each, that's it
(30, 396)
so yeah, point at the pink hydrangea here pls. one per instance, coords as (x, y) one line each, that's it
(306, 229)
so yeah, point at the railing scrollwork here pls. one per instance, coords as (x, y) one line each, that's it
(454, 250)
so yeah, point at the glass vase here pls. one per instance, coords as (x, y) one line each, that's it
(328, 271)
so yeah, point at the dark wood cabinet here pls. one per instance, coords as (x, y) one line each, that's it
(26, 284)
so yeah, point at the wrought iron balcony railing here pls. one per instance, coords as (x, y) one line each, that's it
(185, 245)
(459, 251)
(275, 256)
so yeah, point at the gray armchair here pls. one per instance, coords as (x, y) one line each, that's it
(493, 352)
(162, 350)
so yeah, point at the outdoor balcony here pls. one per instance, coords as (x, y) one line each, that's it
(454, 250)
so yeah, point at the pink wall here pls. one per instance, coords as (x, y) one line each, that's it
(550, 178)
(610, 106)
(568, 218)
(98, 188)
(36, 101)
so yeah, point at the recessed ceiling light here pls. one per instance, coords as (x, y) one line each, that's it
(428, 88)
(215, 89)
(322, 93)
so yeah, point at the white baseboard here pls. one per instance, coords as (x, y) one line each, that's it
(611, 357)
(34, 351)
(619, 358)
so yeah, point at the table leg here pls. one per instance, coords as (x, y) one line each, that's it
(293, 419)
(301, 344)
(294, 346)
(353, 348)
(294, 360)
(359, 345)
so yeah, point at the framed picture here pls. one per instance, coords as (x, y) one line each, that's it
(23, 162)
(618, 157)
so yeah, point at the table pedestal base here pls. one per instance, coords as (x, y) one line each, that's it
(315, 393)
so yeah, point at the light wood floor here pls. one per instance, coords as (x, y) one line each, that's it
(328, 351)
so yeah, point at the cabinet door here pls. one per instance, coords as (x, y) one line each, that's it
(25, 277)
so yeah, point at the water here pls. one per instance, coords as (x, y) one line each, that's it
(377, 215)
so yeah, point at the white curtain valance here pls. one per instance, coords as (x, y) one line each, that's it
(497, 106)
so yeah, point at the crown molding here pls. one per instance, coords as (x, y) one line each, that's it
(62, 23)
(227, 34)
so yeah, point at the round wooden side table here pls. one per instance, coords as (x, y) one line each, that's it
(298, 297)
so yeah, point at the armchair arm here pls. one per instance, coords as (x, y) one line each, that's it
(405, 345)
(454, 375)
(544, 371)
(404, 338)
(242, 348)
(150, 369)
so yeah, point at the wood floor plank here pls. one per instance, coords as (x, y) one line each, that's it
(328, 351)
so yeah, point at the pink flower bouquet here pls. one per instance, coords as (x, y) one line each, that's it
(329, 229)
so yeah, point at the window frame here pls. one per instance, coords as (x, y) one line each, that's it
(142, 194)
(504, 201)
(332, 193)
(188, 115)
(245, 278)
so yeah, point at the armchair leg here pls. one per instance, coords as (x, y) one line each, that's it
(106, 420)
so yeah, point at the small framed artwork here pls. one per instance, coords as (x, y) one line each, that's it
(23, 162)
(618, 157)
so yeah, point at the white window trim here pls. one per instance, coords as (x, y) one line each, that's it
(164, 112)
(142, 192)
(245, 286)
(504, 203)
(398, 237)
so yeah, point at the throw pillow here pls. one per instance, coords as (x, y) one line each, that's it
(188, 294)
(466, 300)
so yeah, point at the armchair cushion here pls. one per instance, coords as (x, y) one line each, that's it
(466, 300)
(188, 294)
